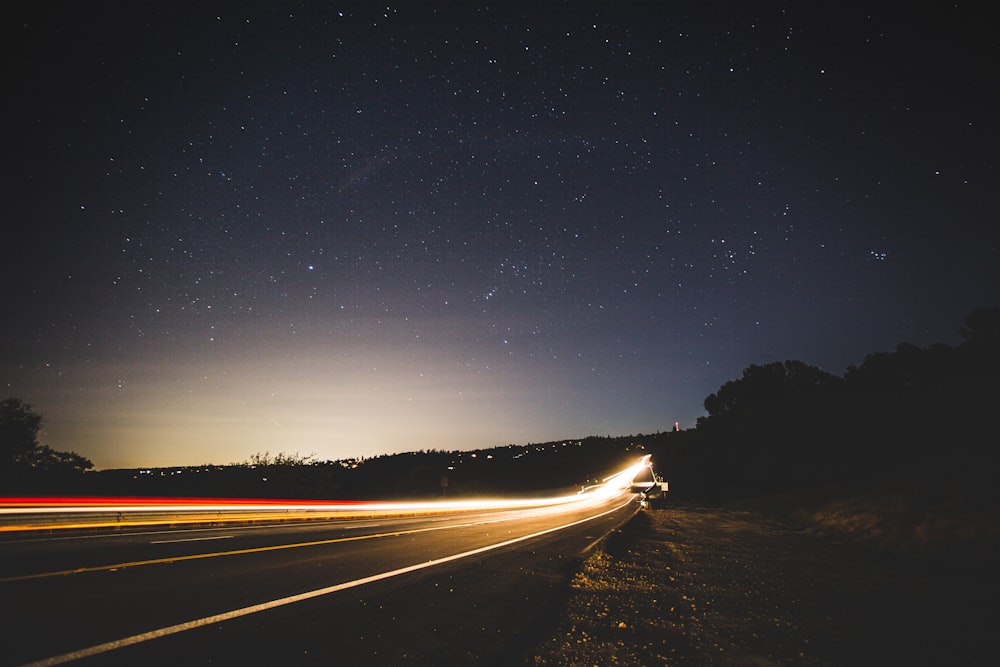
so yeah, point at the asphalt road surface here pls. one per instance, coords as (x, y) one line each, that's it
(466, 588)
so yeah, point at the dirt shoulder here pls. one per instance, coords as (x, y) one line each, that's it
(703, 586)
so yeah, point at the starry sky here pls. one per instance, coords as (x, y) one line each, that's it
(354, 228)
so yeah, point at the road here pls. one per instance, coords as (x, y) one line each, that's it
(451, 588)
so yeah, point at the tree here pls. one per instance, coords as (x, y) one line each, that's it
(19, 426)
(771, 384)
(45, 459)
(19, 446)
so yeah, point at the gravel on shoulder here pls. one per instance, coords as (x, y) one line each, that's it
(706, 586)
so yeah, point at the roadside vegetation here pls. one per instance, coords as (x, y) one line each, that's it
(25, 463)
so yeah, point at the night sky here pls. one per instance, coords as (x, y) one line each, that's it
(347, 229)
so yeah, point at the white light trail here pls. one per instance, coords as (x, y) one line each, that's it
(45, 513)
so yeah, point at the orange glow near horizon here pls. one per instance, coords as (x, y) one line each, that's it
(222, 410)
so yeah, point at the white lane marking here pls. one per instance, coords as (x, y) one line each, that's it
(280, 602)
(194, 539)
(274, 547)
(593, 544)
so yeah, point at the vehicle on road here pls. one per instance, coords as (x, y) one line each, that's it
(650, 486)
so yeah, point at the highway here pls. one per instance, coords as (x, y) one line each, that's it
(444, 584)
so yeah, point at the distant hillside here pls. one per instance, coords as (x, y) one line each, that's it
(548, 467)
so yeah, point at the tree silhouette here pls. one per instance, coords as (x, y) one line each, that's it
(19, 426)
(777, 382)
(22, 457)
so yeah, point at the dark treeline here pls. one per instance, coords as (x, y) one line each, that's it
(25, 463)
(918, 415)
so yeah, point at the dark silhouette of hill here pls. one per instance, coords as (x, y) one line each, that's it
(510, 470)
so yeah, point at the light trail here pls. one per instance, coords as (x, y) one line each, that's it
(54, 513)
(280, 602)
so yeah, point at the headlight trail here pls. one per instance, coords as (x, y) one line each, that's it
(53, 513)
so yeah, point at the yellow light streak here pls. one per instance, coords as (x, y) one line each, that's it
(24, 516)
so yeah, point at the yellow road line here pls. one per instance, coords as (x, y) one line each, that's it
(214, 554)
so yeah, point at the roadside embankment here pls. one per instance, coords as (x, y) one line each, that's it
(709, 586)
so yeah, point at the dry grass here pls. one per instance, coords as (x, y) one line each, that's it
(915, 519)
(724, 587)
